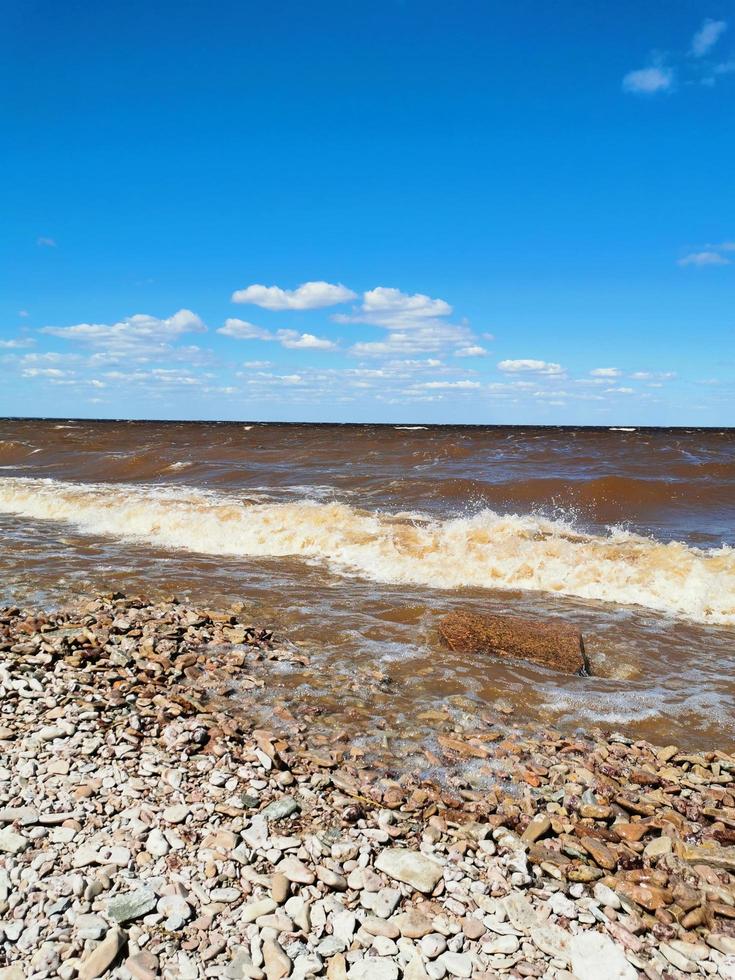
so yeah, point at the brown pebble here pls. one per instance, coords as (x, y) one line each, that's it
(280, 888)
(473, 928)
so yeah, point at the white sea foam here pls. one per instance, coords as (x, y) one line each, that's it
(486, 550)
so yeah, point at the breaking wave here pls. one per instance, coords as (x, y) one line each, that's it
(486, 550)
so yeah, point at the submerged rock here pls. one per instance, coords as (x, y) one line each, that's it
(553, 645)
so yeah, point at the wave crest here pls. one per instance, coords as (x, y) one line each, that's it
(487, 550)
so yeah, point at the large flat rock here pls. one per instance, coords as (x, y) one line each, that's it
(554, 645)
(411, 867)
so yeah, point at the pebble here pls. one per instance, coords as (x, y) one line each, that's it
(433, 945)
(606, 896)
(657, 848)
(280, 888)
(507, 945)
(412, 924)
(538, 827)
(296, 871)
(678, 959)
(142, 966)
(11, 842)
(254, 910)
(722, 942)
(287, 806)
(277, 962)
(333, 881)
(595, 957)
(227, 895)
(177, 813)
(131, 905)
(100, 959)
(552, 940)
(373, 968)
(156, 844)
(456, 964)
(411, 867)
(176, 909)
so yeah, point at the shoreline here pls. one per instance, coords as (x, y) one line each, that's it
(145, 832)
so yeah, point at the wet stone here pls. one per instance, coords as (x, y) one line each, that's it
(538, 827)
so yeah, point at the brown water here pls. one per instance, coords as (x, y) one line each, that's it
(353, 540)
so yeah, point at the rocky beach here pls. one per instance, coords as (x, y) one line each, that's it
(147, 830)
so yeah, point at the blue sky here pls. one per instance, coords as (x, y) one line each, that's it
(387, 211)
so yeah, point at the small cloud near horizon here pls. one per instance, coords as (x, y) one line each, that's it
(530, 365)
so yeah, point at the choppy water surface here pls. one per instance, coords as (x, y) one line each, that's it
(354, 539)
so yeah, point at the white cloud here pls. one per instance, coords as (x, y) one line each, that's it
(385, 306)
(17, 342)
(704, 258)
(648, 81)
(308, 296)
(44, 242)
(253, 365)
(417, 323)
(608, 372)
(707, 36)
(303, 341)
(450, 384)
(292, 339)
(242, 330)
(620, 391)
(48, 357)
(531, 365)
(23, 313)
(428, 338)
(156, 378)
(649, 375)
(691, 67)
(44, 373)
(472, 351)
(132, 333)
